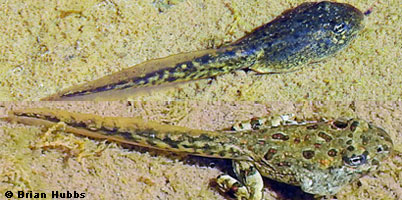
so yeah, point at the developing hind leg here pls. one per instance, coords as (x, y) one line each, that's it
(248, 183)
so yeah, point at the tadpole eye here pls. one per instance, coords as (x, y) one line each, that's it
(339, 28)
(355, 160)
(380, 149)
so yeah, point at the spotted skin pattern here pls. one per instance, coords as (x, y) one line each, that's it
(319, 156)
(301, 35)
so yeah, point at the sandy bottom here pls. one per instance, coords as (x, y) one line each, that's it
(102, 170)
(47, 46)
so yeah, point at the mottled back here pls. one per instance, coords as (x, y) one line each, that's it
(306, 33)
(320, 157)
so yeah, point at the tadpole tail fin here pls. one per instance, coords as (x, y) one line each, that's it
(133, 131)
(148, 73)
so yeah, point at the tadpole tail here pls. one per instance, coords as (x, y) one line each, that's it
(133, 131)
(172, 69)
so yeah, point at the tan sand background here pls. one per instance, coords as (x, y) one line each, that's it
(108, 171)
(47, 46)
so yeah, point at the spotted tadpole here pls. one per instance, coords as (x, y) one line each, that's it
(301, 35)
(319, 156)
